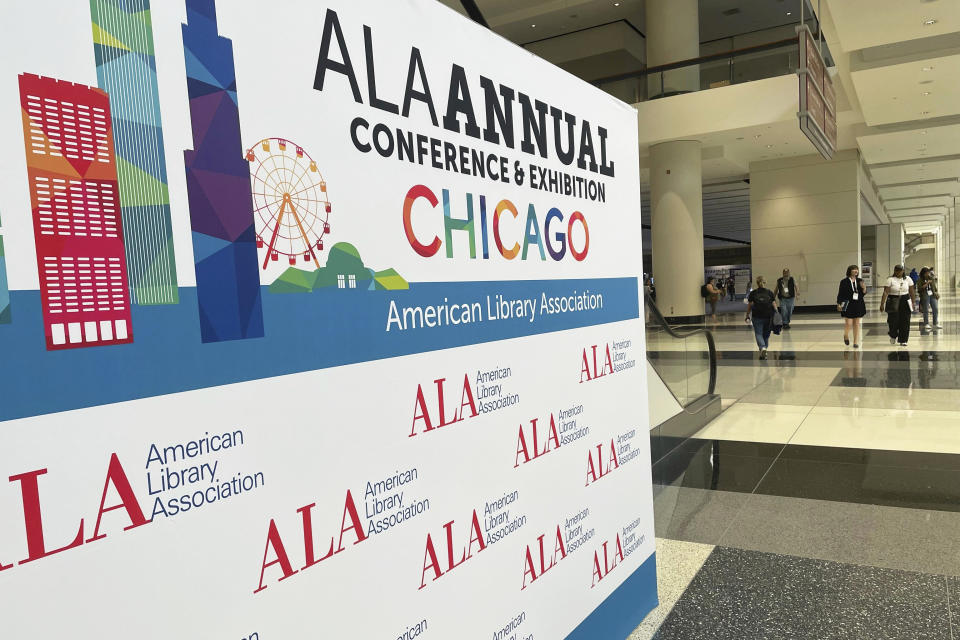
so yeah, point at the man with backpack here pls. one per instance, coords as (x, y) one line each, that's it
(761, 307)
(786, 295)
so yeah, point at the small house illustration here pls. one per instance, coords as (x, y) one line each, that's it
(344, 270)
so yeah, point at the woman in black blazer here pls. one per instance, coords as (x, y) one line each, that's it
(850, 304)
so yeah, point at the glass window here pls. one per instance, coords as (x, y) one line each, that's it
(353, 281)
(341, 284)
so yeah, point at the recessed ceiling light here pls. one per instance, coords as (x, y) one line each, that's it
(532, 26)
(924, 132)
(616, 4)
(769, 146)
(929, 22)
(926, 93)
(927, 69)
(789, 13)
(757, 136)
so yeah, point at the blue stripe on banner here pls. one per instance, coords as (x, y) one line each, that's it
(304, 331)
(624, 609)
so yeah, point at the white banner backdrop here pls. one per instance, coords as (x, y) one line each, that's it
(425, 417)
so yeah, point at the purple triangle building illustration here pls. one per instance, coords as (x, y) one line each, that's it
(218, 186)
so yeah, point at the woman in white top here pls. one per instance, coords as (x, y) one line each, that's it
(899, 301)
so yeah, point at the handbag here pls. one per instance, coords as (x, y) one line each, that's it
(892, 305)
(776, 323)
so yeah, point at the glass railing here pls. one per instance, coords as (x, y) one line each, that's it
(686, 360)
(707, 72)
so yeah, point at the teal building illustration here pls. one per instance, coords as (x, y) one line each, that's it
(126, 70)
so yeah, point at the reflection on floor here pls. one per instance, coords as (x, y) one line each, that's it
(824, 502)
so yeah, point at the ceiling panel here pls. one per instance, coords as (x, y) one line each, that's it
(927, 170)
(915, 143)
(922, 189)
(913, 203)
(893, 93)
(871, 23)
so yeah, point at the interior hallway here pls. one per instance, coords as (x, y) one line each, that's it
(824, 502)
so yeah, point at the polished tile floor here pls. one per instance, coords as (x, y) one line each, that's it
(824, 502)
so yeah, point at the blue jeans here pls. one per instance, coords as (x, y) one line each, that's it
(930, 302)
(762, 327)
(786, 309)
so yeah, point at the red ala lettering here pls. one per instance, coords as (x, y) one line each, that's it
(309, 553)
(280, 553)
(421, 412)
(33, 516)
(552, 442)
(609, 564)
(430, 554)
(589, 366)
(595, 471)
(530, 569)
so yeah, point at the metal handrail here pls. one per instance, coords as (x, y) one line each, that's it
(769, 46)
(711, 344)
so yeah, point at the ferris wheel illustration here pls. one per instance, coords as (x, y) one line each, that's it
(290, 203)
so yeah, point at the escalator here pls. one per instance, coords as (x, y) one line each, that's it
(686, 363)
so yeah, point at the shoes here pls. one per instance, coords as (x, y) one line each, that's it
(763, 354)
(927, 326)
(846, 341)
(786, 326)
(893, 341)
(903, 344)
(938, 327)
(856, 346)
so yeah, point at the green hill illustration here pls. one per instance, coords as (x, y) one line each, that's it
(344, 270)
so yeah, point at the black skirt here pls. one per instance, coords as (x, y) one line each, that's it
(855, 309)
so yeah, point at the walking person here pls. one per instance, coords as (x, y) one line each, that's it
(850, 304)
(731, 288)
(786, 295)
(899, 301)
(761, 305)
(929, 298)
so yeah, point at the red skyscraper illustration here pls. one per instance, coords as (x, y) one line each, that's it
(76, 213)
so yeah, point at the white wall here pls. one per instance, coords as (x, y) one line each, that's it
(922, 258)
(805, 215)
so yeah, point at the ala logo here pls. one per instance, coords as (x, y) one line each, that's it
(36, 535)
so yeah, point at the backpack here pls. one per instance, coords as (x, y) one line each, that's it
(704, 292)
(763, 302)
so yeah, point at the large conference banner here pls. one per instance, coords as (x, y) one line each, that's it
(320, 320)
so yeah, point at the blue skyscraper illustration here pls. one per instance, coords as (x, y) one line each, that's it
(218, 186)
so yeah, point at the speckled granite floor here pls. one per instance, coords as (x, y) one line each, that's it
(740, 594)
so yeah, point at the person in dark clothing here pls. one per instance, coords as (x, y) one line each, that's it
(850, 304)
(929, 298)
(786, 295)
(732, 287)
(899, 301)
(914, 275)
(761, 305)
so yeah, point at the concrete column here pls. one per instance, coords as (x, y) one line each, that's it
(673, 34)
(676, 200)
(955, 257)
(805, 215)
(889, 250)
